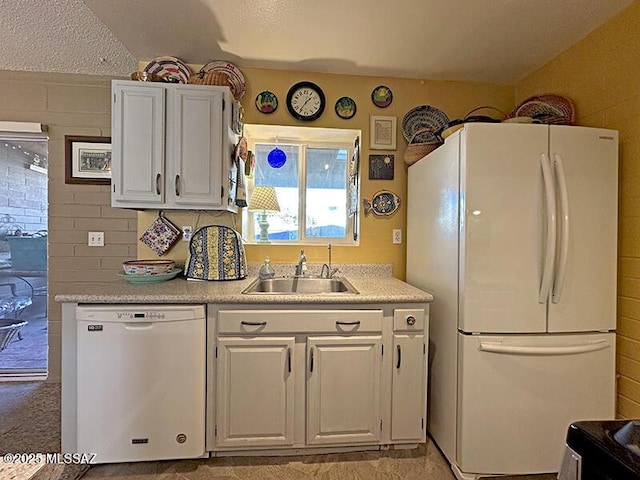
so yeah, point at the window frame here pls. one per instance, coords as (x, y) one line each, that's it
(248, 218)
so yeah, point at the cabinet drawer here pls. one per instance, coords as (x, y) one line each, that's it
(251, 322)
(408, 319)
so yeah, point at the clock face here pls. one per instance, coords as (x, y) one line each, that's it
(305, 101)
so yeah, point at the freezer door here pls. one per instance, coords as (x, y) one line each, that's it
(518, 395)
(585, 164)
(501, 236)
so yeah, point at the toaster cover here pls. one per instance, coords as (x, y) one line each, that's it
(216, 253)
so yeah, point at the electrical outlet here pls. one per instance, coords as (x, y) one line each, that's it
(396, 236)
(187, 232)
(96, 239)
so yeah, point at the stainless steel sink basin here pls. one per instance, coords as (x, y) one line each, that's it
(300, 286)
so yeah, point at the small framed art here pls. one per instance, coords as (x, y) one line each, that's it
(381, 167)
(382, 133)
(87, 160)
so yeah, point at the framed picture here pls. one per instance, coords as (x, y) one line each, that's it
(381, 167)
(87, 160)
(382, 133)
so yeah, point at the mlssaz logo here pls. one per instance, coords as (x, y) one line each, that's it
(94, 328)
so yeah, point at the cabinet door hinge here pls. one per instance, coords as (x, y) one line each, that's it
(216, 352)
(424, 348)
(221, 192)
(380, 424)
(215, 430)
(114, 98)
(382, 350)
(422, 424)
(114, 188)
(224, 105)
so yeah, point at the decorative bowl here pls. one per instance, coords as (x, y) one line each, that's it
(147, 267)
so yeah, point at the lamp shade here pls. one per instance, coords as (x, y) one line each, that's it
(264, 199)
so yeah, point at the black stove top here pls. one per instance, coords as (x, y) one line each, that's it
(609, 449)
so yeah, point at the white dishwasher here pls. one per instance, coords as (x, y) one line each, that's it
(141, 381)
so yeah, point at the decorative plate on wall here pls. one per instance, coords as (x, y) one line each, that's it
(382, 96)
(266, 102)
(345, 107)
(383, 203)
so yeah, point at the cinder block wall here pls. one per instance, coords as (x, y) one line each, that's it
(71, 105)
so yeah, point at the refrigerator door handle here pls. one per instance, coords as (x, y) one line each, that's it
(561, 268)
(492, 347)
(550, 250)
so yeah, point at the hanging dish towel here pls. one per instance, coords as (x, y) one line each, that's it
(241, 192)
(216, 253)
(161, 235)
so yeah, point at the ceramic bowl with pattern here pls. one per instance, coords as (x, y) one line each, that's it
(147, 267)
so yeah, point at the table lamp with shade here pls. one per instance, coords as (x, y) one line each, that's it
(263, 200)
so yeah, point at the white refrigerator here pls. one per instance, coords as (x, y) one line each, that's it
(513, 228)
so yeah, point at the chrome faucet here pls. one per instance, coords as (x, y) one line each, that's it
(330, 272)
(301, 268)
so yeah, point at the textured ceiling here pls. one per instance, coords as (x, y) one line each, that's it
(498, 41)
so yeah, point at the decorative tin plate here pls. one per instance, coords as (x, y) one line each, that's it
(383, 203)
(382, 96)
(345, 107)
(266, 102)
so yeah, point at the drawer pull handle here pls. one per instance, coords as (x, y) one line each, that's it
(311, 361)
(356, 322)
(253, 324)
(289, 359)
(411, 320)
(399, 357)
(158, 179)
(177, 185)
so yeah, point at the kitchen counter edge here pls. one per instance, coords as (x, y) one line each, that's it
(372, 290)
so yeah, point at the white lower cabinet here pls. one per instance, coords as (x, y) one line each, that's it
(408, 406)
(343, 389)
(295, 379)
(255, 395)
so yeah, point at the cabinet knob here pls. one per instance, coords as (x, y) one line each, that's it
(411, 320)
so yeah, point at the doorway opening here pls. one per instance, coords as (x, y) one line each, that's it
(23, 256)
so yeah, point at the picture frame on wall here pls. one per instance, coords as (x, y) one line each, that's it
(382, 133)
(381, 167)
(87, 160)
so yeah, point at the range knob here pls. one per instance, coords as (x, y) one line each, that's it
(411, 320)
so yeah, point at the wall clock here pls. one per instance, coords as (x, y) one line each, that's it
(305, 101)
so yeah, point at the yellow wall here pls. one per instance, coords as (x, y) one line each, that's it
(601, 74)
(454, 98)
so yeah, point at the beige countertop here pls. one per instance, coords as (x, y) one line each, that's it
(372, 289)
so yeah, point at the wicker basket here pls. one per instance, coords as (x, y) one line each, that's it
(210, 78)
(416, 151)
(548, 108)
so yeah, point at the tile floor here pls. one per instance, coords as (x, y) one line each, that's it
(30, 422)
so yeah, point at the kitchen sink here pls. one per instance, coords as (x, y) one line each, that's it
(300, 286)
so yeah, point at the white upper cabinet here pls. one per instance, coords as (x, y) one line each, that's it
(172, 146)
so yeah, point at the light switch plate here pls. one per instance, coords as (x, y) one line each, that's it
(396, 237)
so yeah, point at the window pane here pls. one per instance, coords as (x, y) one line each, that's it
(326, 191)
(282, 226)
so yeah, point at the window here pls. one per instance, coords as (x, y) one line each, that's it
(315, 185)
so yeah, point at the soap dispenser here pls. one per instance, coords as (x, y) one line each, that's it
(266, 271)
